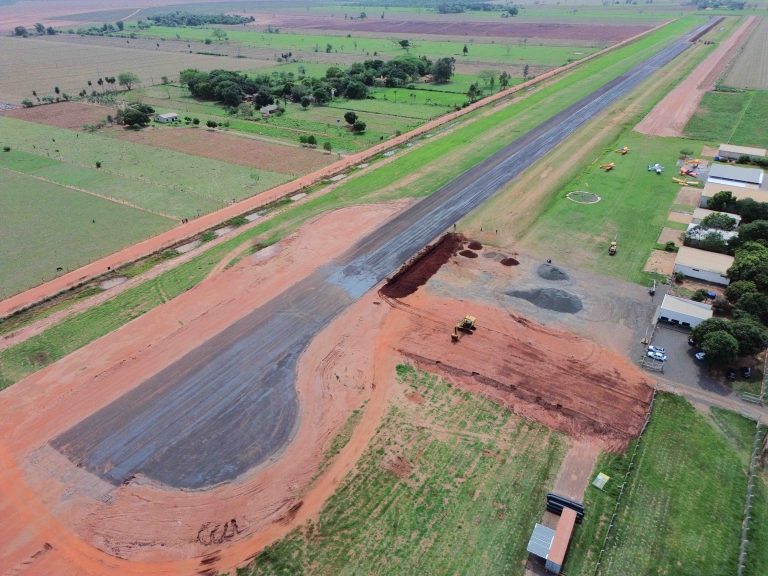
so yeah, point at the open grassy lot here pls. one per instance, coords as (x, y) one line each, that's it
(682, 509)
(46, 226)
(632, 209)
(750, 69)
(731, 118)
(416, 173)
(456, 472)
(154, 171)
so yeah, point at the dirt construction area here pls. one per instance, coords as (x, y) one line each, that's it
(72, 115)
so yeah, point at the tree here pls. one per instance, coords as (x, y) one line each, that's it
(327, 146)
(20, 31)
(328, 48)
(302, 139)
(356, 91)
(751, 336)
(350, 117)
(474, 92)
(120, 25)
(720, 348)
(57, 90)
(219, 34)
(405, 44)
(512, 10)
(756, 231)
(196, 121)
(135, 116)
(127, 79)
(51, 31)
(504, 79)
(707, 327)
(465, 50)
(27, 103)
(359, 127)
(526, 69)
(39, 29)
(442, 70)
(737, 289)
(312, 140)
(719, 221)
(751, 263)
(723, 201)
(305, 102)
(322, 95)
(211, 123)
(755, 304)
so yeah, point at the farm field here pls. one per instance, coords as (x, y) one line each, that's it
(446, 470)
(41, 65)
(682, 510)
(731, 118)
(750, 69)
(632, 209)
(46, 226)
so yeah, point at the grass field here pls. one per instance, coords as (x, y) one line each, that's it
(750, 69)
(682, 509)
(419, 172)
(731, 118)
(46, 226)
(633, 208)
(455, 473)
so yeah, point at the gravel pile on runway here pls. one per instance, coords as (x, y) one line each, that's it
(550, 272)
(509, 262)
(475, 245)
(550, 299)
(468, 254)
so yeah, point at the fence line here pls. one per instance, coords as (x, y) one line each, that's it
(753, 466)
(624, 484)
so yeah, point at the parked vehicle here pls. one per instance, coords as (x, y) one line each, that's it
(658, 349)
(746, 372)
(731, 375)
(700, 355)
(657, 356)
(691, 341)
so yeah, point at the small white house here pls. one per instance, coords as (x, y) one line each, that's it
(167, 118)
(682, 312)
(702, 265)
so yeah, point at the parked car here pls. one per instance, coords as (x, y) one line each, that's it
(657, 356)
(658, 349)
(731, 374)
(746, 372)
(691, 341)
(700, 355)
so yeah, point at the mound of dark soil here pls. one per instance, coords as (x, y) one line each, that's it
(550, 272)
(550, 299)
(417, 272)
(475, 245)
(509, 262)
(468, 254)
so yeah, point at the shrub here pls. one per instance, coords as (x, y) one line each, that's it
(207, 236)
(311, 140)
(670, 246)
(211, 124)
(98, 163)
(700, 295)
(6, 148)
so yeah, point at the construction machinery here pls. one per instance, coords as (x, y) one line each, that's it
(465, 326)
(624, 150)
(607, 167)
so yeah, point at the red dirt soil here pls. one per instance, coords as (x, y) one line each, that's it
(544, 30)
(669, 117)
(190, 229)
(72, 115)
(230, 148)
(559, 379)
(74, 523)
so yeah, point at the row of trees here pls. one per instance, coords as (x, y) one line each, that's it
(233, 88)
(179, 18)
(708, 235)
(460, 7)
(38, 30)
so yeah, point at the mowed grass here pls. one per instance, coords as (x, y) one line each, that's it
(46, 226)
(633, 208)
(682, 509)
(391, 181)
(152, 171)
(449, 486)
(731, 118)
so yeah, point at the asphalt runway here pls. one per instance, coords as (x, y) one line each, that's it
(230, 404)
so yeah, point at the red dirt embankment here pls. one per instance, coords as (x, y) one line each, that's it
(669, 117)
(559, 379)
(423, 266)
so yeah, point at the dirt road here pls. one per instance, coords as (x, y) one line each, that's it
(669, 117)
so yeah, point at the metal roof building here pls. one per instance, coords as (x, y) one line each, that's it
(551, 545)
(735, 152)
(712, 188)
(707, 266)
(735, 176)
(683, 312)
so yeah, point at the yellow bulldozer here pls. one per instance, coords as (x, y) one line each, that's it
(466, 326)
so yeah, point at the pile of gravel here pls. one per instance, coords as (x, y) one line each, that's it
(550, 272)
(550, 299)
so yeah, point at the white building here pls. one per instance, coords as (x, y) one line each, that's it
(702, 265)
(731, 152)
(682, 312)
(167, 118)
(735, 176)
(711, 188)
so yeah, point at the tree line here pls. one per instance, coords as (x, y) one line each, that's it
(707, 235)
(179, 18)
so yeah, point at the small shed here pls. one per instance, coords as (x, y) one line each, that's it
(167, 118)
(683, 312)
(735, 176)
(702, 265)
(268, 109)
(731, 152)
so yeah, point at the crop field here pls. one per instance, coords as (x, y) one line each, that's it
(633, 208)
(46, 226)
(451, 471)
(682, 509)
(731, 118)
(40, 65)
(750, 69)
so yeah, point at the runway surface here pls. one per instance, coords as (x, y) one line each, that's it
(230, 404)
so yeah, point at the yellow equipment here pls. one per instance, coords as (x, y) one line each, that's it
(467, 325)
(679, 181)
(692, 182)
(612, 248)
(624, 150)
(607, 167)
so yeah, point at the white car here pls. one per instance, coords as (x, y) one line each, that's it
(657, 356)
(700, 355)
(658, 349)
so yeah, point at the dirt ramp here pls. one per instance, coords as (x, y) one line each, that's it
(423, 266)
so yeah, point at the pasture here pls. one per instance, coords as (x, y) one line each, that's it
(731, 118)
(47, 226)
(451, 471)
(681, 512)
(750, 69)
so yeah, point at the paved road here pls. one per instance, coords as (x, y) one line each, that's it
(230, 404)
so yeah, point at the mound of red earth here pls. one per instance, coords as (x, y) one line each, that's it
(475, 245)
(468, 254)
(421, 268)
(510, 262)
(557, 378)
